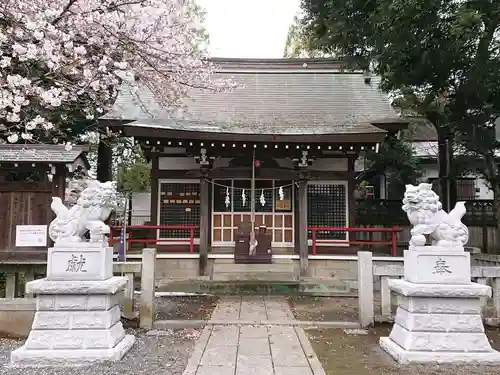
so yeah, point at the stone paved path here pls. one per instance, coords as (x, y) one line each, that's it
(252, 309)
(243, 349)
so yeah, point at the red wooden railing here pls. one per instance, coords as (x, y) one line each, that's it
(130, 240)
(314, 230)
(392, 242)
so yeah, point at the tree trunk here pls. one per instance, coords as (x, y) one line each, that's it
(104, 161)
(491, 175)
(496, 211)
(447, 185)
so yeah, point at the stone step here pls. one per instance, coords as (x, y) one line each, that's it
(257, 287)
(256, 276)
(281, 265)
(276, 250)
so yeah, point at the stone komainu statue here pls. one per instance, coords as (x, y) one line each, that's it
(91, 210)
(425, 213)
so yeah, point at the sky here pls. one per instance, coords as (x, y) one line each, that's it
(248, 28)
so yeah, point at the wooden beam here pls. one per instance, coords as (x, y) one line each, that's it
(183, 135)
(302, 211)
(37, 187)
(271, 173)
(154, 191)
(351, 187)
(59, 182)
(204, 224)
(169, 174)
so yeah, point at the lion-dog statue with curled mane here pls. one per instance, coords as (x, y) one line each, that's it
(92, 209)
(425, 213)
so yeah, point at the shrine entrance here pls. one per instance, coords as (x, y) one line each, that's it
(273, 209)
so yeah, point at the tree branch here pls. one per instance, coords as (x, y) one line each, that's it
(64, 11)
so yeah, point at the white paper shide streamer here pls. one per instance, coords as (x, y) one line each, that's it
(281, 193)
(227, 200)
(262, 198)
(243, 198)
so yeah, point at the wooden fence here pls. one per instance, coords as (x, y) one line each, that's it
(22, 204)
(388, 213)
(384, 213)
(17, 274)
(484, 271)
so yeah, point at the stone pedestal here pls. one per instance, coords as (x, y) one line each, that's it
(81, 261)
(439, 311)
(77, 319)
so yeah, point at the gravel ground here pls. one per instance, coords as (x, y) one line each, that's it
(159, 352)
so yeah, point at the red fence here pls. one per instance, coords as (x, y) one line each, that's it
(392, 242)
(314, 231)
(130, 240)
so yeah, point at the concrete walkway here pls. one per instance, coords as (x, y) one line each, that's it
(253, 349)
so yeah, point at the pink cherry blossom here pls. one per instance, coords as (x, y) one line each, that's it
(59, 58)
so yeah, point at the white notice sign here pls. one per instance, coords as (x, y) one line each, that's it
(31, 235)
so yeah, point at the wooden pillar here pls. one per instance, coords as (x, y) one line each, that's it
(302, 211)
(154, 190)
(204, 224)
(59, 182)
(104, 160)
(351, 187)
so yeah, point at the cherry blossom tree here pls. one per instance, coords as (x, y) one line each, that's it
(63, 62)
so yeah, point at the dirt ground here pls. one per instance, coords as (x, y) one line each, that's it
(185, 308)
(345, 354)
(343, 309)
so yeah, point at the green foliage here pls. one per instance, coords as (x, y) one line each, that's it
(297, 45)
(133, 172)
(396, 161)
(134, 178)
(438, 58)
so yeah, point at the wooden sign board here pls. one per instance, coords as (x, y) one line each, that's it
(31, 235)
(283, 205)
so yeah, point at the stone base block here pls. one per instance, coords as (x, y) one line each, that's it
(439, 323)
(76, 322)
(67, 357)
(75, 338)
(81, 261)
(441, 291)
(73, 320)
(75, 287)
(432, 322)
(443, 341)
(405, 356)
(435, 265)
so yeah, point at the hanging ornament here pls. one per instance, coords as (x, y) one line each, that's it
(262, 198)
(281, 193)
(228, 200)
(243, 198)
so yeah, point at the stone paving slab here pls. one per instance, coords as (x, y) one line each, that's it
(252, 309)
(253, 349)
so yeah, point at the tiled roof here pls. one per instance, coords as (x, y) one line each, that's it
(40, 153)
(420, 129)
(271, 101)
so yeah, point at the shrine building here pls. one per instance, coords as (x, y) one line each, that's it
(297, 126)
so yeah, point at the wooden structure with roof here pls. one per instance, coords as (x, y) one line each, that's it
(26, 189)
(304, 121)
